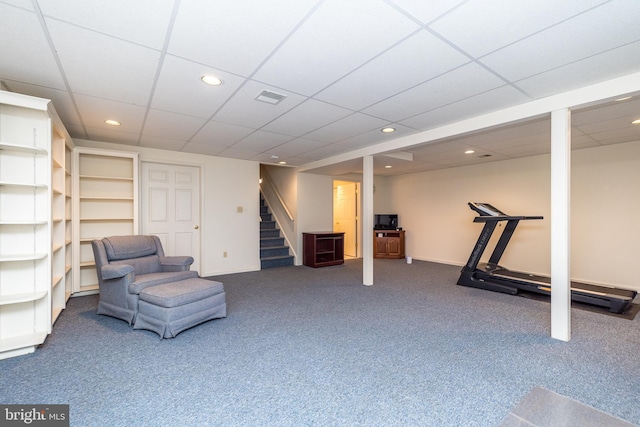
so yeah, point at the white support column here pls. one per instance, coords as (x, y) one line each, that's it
(561, 224)
(367, 220)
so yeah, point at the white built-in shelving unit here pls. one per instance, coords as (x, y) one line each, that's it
(105, 204)
(35, 276)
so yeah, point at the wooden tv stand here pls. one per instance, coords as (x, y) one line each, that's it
(388, 244)
(321, 249)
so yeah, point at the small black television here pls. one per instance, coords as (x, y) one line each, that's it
(385, 222)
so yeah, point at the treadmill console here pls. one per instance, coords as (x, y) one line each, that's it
(485, 209)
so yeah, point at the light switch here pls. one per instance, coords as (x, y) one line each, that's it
(240, 209)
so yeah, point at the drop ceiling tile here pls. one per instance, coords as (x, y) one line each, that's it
(468, 161)
(616, 136)
(77, 131)
(507, 133)
(88, 62)
(112, 136)
(323, 152)
(260, 141)
(291, 161)
(221, 134)
(25, 53)
(238, 153)
(352, 125)
(570, 41)
(438, 92)
(608, 125)
(499, 145)
(118, 18)
(610, 111)
(352, 32)
(376, 136)
(306, 117)
(180, 90)
(297, 147)
(161, 143)
(94, 111)
(59, 98)
(236, 36)
(235, 110)
(584, 141)
(171, 125)
(25, 4)
(425, 11)
(481, 26)
(266, 158)
(419, 58)
(604, 66)
(454, 153)
(381, 161)
(436, 148)
(527, 150)
(487, 102)
(206, 149)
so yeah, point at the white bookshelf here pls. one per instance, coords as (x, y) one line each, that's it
(32, 221)
(105, 204)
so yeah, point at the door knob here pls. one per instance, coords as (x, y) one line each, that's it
(196, 227)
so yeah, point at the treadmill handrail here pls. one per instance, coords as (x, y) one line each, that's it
(505, 218)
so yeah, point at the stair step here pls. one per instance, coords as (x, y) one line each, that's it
(269, 233)
(273, 251)
(267, 225)
(277, 261)
(271, 242)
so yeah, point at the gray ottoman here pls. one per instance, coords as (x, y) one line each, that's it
(173, 307)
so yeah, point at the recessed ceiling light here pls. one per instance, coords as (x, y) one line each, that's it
(388, 130)
(636, 122)
(388, 167)
(282, 163)
(469, 152)
(211, 80)
(623, 99)
(275, 157)
(112, 122)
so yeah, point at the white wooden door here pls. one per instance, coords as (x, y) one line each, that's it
(170, 206)
(345, 214)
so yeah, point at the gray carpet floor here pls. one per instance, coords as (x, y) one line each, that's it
(314, 347)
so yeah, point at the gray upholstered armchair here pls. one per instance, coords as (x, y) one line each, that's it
(128, 264)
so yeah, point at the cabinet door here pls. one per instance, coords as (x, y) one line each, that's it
(393, 246)
(381, 245)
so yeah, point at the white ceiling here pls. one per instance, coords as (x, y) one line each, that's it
(347, 68)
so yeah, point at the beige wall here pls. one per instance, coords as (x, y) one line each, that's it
(315, 206)
(605, 205)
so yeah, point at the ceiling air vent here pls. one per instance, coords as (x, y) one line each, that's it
(270, 97)
(484, 155)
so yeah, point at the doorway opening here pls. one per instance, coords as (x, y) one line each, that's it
(346, 215)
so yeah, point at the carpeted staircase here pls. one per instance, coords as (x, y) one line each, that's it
(273, 251)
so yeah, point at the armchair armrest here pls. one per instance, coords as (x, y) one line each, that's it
(175, 263)
(115, 271)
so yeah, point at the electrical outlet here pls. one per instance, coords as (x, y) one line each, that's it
(240, 209)
(224, 254)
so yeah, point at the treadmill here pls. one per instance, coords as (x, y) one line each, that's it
(494, 277)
